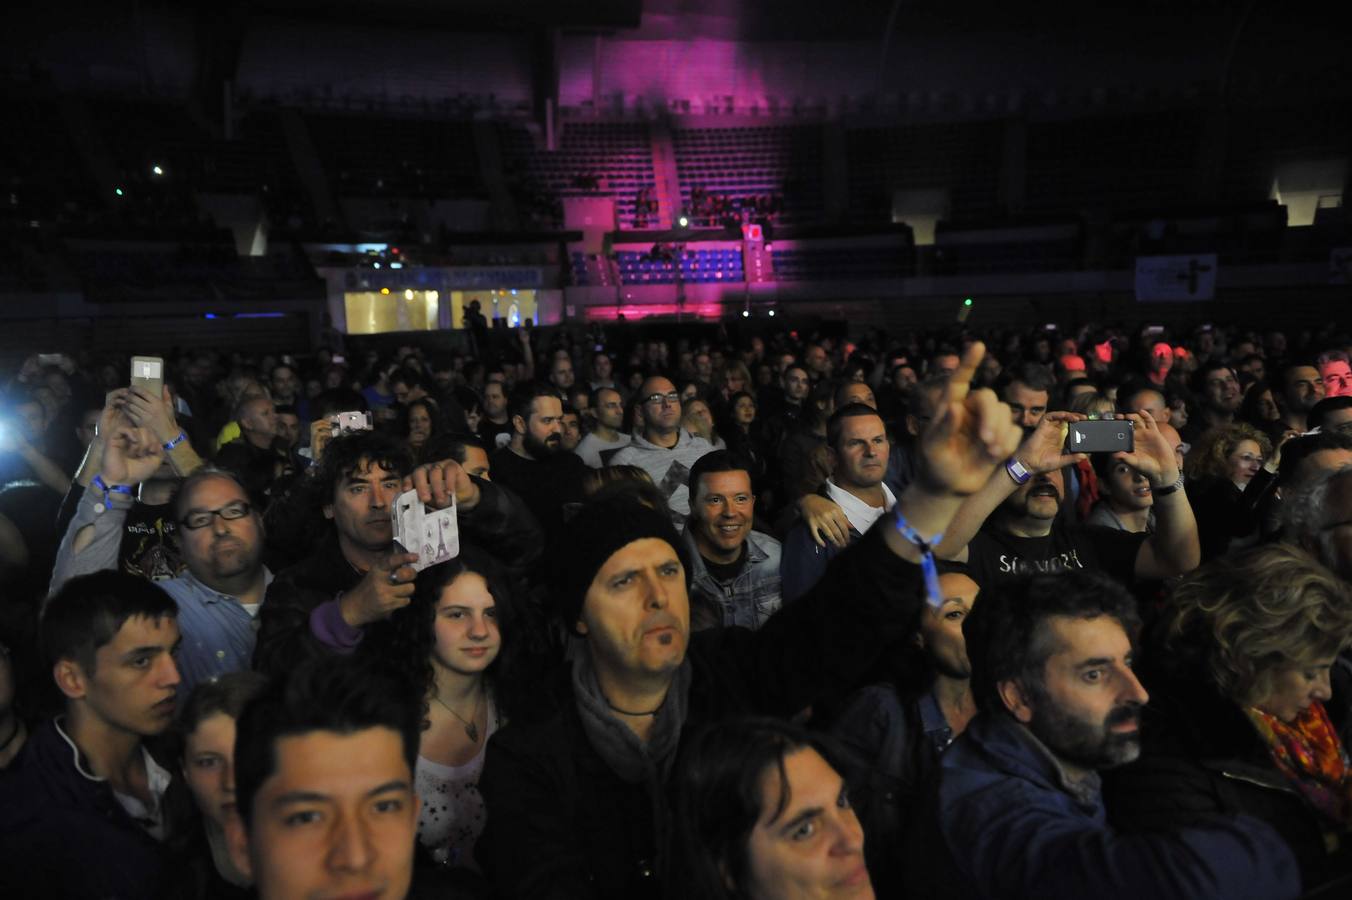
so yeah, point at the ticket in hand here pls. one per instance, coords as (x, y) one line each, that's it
(433, 534)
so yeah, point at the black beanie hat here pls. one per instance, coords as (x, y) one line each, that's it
(591, 537)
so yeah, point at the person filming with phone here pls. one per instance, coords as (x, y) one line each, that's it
(1012, 527)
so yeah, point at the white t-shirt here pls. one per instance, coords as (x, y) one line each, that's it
(861, 515)
(452, 814)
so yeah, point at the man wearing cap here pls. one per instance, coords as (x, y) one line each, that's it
(580, 786)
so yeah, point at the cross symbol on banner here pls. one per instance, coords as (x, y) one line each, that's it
(1195, 269)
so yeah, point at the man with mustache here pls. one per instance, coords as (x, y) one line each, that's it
(1019, 802)
(81, 809)
(535, 464)
(219, 593)
(581, 785)
(1012, 527)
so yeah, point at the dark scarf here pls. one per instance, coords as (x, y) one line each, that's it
(634, 761)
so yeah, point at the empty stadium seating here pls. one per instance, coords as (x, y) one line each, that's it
(594, 158)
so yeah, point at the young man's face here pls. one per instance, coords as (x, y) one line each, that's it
(135, 680)
(361, 506)
(1027, 406)
(337, 817)
(1087, 708)
(796, 384)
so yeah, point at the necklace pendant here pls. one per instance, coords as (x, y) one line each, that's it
(472, 730)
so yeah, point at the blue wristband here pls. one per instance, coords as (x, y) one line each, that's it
(170, 445)
(928, 566)
(107, 489)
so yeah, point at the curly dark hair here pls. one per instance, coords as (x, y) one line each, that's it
(405, 640)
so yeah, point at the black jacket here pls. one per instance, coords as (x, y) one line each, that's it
(63, 835)
(561, 824)
(1202, 756)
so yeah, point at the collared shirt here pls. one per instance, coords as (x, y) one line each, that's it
(861, 515)
(753, 595)
(218, 632)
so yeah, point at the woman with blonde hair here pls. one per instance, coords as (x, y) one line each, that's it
(1239, 669)
(1230, 470)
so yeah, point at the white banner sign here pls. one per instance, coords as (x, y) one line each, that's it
(1177, 279)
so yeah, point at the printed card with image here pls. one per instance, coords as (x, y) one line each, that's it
(433, 534)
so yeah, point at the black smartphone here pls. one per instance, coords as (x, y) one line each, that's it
(1101, 436)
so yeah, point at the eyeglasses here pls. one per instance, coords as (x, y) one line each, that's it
(672, 399)
(201, 518)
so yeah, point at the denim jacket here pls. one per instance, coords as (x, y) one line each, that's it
(750, 598)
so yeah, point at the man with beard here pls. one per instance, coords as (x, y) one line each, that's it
(1019, 801)
(1025, 533)
(664, 449)
(218, 594)
(535, 465)
(1219, 394)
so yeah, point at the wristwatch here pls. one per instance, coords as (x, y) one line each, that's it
(1168, 488)
(1017, 471)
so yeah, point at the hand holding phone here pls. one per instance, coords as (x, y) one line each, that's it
(1101, 436)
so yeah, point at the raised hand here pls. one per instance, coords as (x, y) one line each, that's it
(130, 455)
(1152, 455)
(437, 482)
(321, 432)
(971, 433)
(387, 586)
(1044, 449)
(155, 414)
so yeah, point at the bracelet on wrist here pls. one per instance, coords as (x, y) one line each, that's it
(928, 567)
(98, 482)
(1015, 470)
(170, 445)
(1168, 488)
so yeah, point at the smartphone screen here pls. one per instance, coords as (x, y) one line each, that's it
(1101, 436)
(148, 372)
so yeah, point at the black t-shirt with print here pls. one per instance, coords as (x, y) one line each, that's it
(994, 556)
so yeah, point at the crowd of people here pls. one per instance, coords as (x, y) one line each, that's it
(783, 616)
